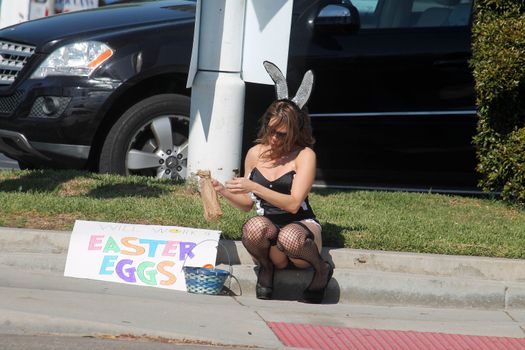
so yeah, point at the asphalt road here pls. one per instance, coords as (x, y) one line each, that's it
(7, 163)
(57, 342)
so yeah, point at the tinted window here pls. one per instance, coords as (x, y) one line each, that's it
(441, 13)
(367, 11)
(412, 13)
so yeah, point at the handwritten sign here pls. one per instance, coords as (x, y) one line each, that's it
(146, 255)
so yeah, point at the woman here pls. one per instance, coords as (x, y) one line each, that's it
(279, 173)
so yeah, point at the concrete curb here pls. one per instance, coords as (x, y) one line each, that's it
(33, 241)
(387, 288)
(497, 269)
(361, 276)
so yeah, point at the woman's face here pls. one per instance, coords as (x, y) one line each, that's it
(277, 132)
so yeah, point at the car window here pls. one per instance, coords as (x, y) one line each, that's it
(115, 2)
(412, 13)
(441, 13)
(367, 11)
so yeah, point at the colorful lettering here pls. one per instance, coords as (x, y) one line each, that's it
(153, 244)
(107, 262)
(124, 256)
(111, 246)
(128, 274)
(171, 277)
(126, 242)
(94, 242)
(171, 248)
(148, 277)
(186, 249)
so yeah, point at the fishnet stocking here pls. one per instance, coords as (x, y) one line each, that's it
(257, 235)
(297, 242)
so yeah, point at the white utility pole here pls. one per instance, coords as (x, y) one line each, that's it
(13, 12)
(217, 103)
(232, 39)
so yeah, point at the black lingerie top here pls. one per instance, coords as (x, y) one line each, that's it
(282, 185)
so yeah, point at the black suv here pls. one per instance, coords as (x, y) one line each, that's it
(393, 102)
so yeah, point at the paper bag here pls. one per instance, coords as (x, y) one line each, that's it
(210, 201)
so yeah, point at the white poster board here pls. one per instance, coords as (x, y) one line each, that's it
(145, 255)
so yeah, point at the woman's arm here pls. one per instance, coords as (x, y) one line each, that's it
(239, 200)
(302, 184)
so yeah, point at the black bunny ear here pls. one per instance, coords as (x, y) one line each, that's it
(281, 87)
(304, 91)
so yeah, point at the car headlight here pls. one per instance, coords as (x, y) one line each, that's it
(79, 59)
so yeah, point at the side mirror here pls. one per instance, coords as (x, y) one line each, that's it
(337, 19)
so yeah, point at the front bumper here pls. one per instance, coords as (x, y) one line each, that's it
(59, 139)
(15, 145)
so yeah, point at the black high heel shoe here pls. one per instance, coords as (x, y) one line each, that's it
(264, 293)
(261, 292)
(316, 296)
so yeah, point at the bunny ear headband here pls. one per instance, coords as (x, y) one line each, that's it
(281, 87)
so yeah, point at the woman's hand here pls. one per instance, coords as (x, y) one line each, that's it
(240, 185)
(217, 186)
(236, 198)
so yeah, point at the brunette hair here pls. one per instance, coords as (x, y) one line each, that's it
(299, 134)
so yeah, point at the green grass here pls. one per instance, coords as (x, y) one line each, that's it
(396, 221)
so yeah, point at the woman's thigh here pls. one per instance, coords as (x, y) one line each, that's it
(318, 239)
(278, 258)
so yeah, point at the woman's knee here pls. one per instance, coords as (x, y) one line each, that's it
(290, 238)
(258, 228)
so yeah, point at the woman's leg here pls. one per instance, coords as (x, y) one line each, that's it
(315, 229)
(297, 241)
(258, 233)
(278, 258)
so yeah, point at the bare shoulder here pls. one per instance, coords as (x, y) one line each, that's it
(306, 154)
(252, 156)
(254, 152)
(306, 159)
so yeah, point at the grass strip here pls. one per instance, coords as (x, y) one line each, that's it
(394, 221)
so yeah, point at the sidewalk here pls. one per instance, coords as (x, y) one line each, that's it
(43, 303)
(361, 276)
(418, 298)
(70, 306)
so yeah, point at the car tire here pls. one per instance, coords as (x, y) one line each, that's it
(149, 139)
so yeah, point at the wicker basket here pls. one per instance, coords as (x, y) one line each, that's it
(201, 280)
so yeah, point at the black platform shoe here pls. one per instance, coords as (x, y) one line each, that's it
(316, 296)
(262, 292)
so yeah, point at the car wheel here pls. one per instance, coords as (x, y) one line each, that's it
(150, 139)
